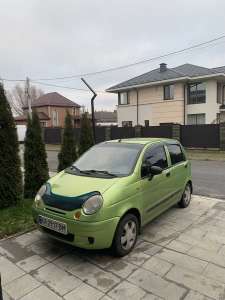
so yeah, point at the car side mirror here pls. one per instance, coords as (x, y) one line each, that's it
(145, 169)
(154, 170)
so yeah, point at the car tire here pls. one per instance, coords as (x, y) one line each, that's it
(126, 235)
(186, 197)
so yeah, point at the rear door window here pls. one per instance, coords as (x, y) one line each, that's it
(176, 153)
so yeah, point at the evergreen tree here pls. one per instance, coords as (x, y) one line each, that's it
(67, 154)
(35, 158)
(10, 172)
(86, 134)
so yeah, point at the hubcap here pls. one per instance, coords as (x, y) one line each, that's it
(129, 235)
(187, 194)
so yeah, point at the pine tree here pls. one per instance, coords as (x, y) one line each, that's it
(67, 154)
(86, 134)
(35, 158)
(10, 172)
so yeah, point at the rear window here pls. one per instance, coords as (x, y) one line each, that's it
(176, 153)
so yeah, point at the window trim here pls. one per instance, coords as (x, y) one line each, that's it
(196, 96)
(149, 147)
(128, 98)
(184, 155)
(164, 92)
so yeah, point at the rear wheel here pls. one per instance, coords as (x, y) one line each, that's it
(126, 235)
(186, 197)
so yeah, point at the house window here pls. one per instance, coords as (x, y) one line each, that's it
(196, 93)
(146, 123)
(55, 118)
(195, 119)
(168, 92)
(124, 98)
(126, 123)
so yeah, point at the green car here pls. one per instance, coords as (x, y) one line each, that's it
(113, 190)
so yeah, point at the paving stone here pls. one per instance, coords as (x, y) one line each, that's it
(5, 296)
(21, 286)
(148, 248)
(41, 293)
(68, 261)
(57, 279)
(182, 260)
(32, 263)
(136, 257)
(179, 246)
(28, 238)
(210, 256)
(106, 298)
(156, 285)
(151, 297)
(95, 276)
(9, 271)
(101, 260)
(157, 266)
(159, 239)
(126, 290)
(202, 284)
(193, 295)
(84, 292)
(215, 272)
(122, 268)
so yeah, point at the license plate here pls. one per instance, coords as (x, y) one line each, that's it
(52, 224)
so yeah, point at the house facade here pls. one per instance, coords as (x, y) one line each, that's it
(51, 109)
(187, 94)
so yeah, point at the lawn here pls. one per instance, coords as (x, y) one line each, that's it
(15, 219)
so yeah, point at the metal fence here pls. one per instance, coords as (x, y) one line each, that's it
(196, 136)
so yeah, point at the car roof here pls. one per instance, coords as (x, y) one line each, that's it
(143, 141)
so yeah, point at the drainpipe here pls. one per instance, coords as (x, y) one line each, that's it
(137, 107)
(184, 102)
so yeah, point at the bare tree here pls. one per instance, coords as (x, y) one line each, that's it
(17, 97)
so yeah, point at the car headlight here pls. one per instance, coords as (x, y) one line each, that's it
(92, 205)
(39, 195)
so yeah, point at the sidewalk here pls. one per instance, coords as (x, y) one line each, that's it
(181, 255)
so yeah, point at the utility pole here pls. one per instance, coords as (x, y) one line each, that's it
(27, 93)
(92, 108)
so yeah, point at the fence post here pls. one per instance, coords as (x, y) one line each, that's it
(176, 131)
(222, 136)
(138, 131)
(107, 133)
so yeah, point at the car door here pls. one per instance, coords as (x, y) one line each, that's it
(156, 189)
(178, 170)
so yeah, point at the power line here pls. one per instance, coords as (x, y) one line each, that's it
(138, 62)
(65, 87)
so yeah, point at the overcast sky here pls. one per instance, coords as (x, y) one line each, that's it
(54, 38)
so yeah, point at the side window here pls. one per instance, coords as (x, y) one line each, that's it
(156, 155)
(176, 153)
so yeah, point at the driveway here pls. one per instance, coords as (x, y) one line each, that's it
(181, 255)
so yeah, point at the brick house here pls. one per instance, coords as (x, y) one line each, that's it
(51, 109)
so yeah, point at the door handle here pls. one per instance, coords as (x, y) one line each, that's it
(185, 165)
(168, 174)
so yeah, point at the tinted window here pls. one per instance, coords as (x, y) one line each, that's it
(156, 156)
(176, 153)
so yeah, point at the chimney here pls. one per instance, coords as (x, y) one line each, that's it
(163, 67)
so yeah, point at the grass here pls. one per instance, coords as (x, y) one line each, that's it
(16, 219)
(206, 154)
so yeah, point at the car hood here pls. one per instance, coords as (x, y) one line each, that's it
(73, 185)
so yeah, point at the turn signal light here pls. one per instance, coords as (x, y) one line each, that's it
(77, 215)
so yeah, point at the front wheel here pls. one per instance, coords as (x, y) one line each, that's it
(186, 197)
(126, 235)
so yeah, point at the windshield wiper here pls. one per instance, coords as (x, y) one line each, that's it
(98, 171)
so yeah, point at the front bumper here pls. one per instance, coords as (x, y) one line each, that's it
(88, 235)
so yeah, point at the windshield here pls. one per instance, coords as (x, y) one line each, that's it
(109, 158)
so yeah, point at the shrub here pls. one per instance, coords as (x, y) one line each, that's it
(86, 134)
(10, 172)
(35, 158)
(67, 154)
